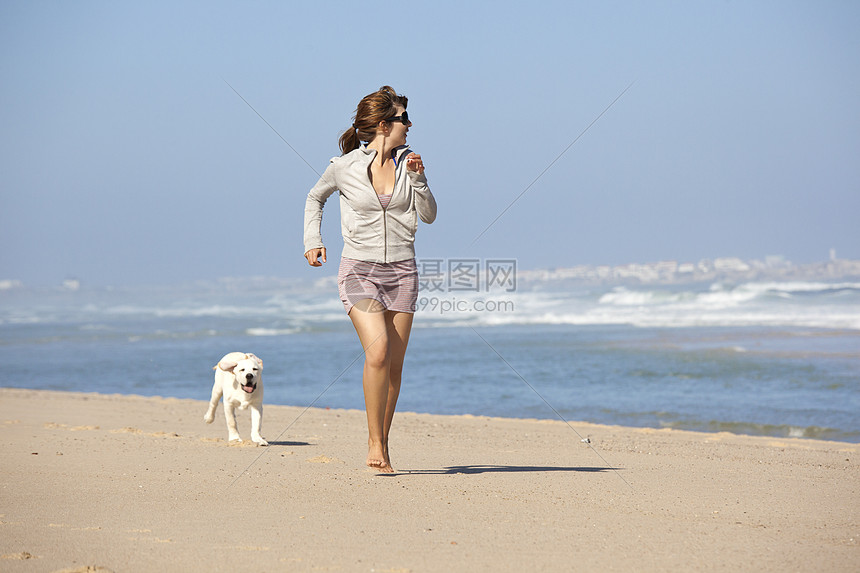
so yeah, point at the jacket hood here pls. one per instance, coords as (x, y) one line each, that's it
(399, 152)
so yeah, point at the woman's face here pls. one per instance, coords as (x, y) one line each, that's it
(398, 131)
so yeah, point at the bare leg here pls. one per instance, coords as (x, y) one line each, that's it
(368, 318)
(398, 327)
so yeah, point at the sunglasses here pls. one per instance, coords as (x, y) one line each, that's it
(402, 118)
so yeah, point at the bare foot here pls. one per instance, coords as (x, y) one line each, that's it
(377, 458)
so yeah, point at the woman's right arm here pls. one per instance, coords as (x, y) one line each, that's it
(314, 247)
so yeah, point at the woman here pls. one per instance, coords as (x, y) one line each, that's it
(383, 192)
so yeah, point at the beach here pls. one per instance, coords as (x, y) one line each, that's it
(126, 483)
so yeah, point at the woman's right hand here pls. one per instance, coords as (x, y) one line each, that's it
(316, 257)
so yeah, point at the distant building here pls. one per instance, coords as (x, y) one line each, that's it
(730, 265)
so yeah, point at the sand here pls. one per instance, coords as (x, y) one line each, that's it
(92, 482)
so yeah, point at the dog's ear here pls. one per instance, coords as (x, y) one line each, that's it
(256, 359)
(227, 366)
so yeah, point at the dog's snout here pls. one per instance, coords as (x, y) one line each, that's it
(249, 376)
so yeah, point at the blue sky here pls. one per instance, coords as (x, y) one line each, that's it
(126, 159)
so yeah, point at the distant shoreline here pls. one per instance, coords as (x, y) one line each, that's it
(713, 270)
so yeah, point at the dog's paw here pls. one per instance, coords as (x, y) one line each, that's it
(260, 441)
(208, 418)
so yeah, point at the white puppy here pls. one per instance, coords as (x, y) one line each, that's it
(239, 379)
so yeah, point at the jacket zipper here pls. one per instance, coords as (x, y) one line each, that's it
(385, 217)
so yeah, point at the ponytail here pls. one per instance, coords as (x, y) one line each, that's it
(349, 140)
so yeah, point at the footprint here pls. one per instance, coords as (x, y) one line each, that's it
(242, 444)
(86, 569)
(127, 430)
(91, 528)
(23, 556)
(150, 539)
(56, 426)
(322, 460)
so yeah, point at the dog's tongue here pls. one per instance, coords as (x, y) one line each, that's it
(248, 388)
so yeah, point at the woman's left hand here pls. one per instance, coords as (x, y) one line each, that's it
(414, 163)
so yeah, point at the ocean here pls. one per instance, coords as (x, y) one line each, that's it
(775, 358)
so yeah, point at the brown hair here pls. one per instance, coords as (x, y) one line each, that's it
(373, 108)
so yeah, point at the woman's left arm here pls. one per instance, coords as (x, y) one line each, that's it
(425, 203)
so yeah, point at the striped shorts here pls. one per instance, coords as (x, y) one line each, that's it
(394, 285)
